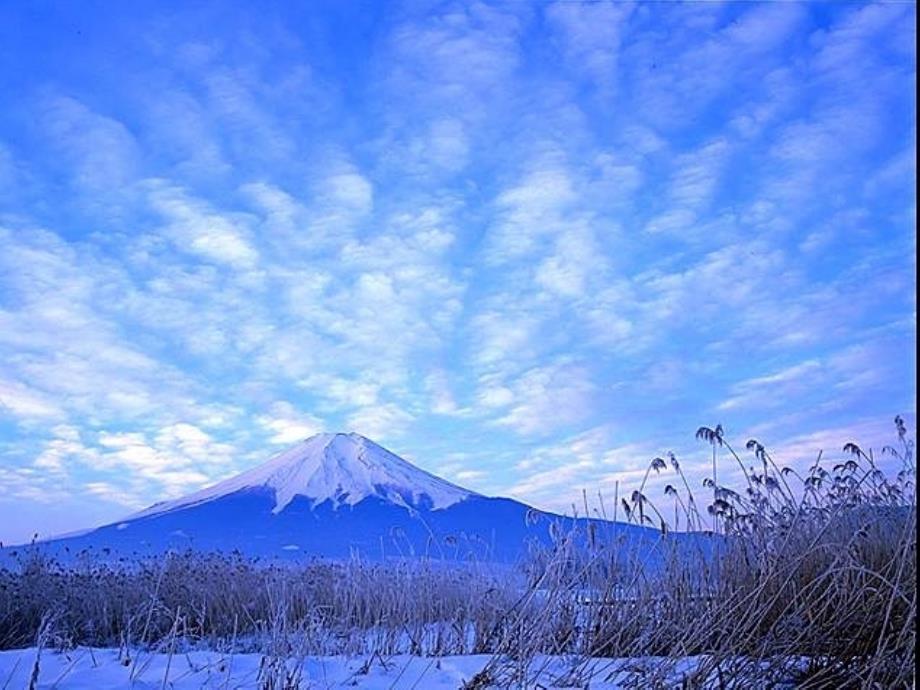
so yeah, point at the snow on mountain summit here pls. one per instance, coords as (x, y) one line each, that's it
(342, 468)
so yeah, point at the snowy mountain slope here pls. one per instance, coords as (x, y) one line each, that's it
(341, 468)
(336, 496)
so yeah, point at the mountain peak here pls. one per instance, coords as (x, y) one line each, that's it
(344, 468)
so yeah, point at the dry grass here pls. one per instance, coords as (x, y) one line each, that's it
(353, 607)
(807, 579)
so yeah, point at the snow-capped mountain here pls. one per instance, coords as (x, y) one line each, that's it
(334, 496)
(339, 468)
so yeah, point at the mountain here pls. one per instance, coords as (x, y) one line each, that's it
(336, 496)
(343, 469)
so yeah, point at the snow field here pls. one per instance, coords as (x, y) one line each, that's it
(112, 669)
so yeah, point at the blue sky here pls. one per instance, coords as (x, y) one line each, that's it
(528, 246)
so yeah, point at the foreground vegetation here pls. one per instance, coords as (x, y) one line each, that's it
(807, 579)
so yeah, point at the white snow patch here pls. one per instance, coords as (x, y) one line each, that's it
(102, 669)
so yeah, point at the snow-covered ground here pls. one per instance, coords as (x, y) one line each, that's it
(108, 669)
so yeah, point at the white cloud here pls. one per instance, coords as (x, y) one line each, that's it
(457, 61)
(468, 475)
(352, 191)
(383, 421)
(287, 425)
(549, 397)
(765, 27)
(24, 403)
(437, 385)
(448, 145)
(674, 222)
(503, 336)
(569, 269)
(102, 153)
(282, 211)
(530, 210)
(855, 371)
(178, 458)
(541, 486)
(591, 35)
(697, 174)
(58, 321)
(196, 228)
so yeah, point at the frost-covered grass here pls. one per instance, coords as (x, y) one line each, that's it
(808, 579)
(210, 600)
